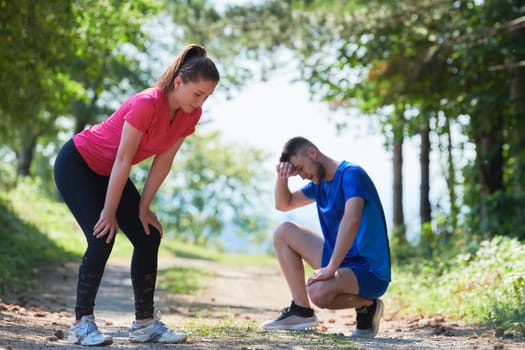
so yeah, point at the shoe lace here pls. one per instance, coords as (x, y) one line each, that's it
(285, 312)
(160, 327)
(89, 327)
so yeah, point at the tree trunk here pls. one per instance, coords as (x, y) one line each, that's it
(399, 218)
(489, 154)
(84, 113)
(451, 180)
(517, 94)
(517, 141)
(424, 163)
(517, 99)
(25, 154)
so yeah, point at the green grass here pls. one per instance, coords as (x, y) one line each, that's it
(486, 288)
(183, 280)
(27, 240)
(240, 334)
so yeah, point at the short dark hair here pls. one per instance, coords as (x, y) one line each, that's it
(295, 146)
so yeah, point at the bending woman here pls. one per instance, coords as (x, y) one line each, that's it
(92, 174)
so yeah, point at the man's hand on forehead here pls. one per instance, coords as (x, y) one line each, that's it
(286, 169)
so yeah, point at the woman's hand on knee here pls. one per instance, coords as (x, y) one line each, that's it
(147, 217)
(106, 225)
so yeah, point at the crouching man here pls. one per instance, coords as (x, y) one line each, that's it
(351, 260)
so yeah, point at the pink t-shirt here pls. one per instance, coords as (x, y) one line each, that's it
(148, 112)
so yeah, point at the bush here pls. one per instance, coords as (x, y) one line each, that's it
(485, 287)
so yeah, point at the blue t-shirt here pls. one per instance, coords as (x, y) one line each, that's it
(370, 248)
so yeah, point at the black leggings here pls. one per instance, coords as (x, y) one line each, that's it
(84, 192)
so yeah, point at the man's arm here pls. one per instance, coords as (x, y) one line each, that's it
(345, 237)
(347, 231)
(285, 200)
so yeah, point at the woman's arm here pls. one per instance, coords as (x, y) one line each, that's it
(129, 143)
(159, 170)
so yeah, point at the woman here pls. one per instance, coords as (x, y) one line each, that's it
(92, 174)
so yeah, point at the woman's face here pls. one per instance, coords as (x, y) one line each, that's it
(191, 95)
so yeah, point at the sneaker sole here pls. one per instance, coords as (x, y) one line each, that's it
(178, 341)
(104, 343)
(380, 307)
(76, 341)
(294, 327)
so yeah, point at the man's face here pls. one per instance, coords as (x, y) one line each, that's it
(308, 168)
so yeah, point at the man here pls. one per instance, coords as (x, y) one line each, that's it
(351, 260)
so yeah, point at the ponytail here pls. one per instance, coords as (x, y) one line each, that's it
(191, 64)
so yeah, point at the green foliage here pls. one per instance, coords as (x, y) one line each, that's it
(61, 56)
(505, 214)
(485, 287)
(7, 169)
(213, 187)
(34, 36)
(236, 36)
(400, 249)
(438, 244)
(428, 61)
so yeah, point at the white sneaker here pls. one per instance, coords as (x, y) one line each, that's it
(86, 333)
(154, 331)
(293, 318)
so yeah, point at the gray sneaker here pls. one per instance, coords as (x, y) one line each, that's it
(368, 319)
(294, 318)
(86, 333)
(154, 331)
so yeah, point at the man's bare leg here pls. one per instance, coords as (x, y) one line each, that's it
(293, 244)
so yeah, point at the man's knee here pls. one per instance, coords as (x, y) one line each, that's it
(280, 232)
(320, 295)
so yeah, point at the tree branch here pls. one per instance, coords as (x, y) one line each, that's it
(516, 23)
(507, 66)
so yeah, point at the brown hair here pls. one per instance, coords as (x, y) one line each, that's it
(294, 146)
(191, 64)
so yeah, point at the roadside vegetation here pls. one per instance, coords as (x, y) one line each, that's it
(484, 285)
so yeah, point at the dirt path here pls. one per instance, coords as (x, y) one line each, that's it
(247, 293)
